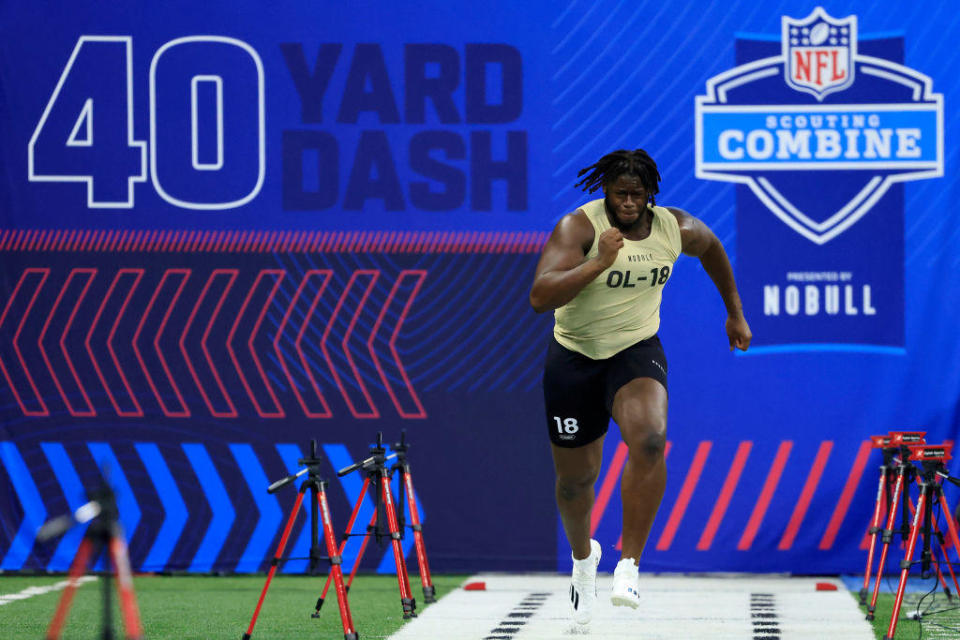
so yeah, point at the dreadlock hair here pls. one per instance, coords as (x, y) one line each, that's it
(618, 163)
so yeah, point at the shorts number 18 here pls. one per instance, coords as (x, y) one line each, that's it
(569, 425)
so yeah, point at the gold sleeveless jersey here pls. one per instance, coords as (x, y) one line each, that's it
(622, 305)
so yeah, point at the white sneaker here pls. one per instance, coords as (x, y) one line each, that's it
(583, 585)
(626, 585)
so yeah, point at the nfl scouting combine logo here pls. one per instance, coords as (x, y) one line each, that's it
(819, 126)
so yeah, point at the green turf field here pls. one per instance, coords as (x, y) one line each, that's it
(941, 619)
(214, 607)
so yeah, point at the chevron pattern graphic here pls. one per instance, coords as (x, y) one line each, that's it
(180, 506)
(150, 326)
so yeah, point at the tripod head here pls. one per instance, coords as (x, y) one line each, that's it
(377, 459)
(898, 438)
(899, 443)
(102, 505)
(402, 447)
(311, 465)
(904, 439)
(933, 459)
(938, 453)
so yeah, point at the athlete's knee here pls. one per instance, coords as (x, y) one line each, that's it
(647, 443)
(653, 445)
(571, 486)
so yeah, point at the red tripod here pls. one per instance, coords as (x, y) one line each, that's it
(379, 477)
(104, 534)
(317, 486)
(885, 501)
(933, 470)
(402, 466)
(905, 474)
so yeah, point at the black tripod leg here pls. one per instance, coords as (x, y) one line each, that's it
(925, 553)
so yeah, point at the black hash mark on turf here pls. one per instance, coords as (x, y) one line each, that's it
(763, 617)
(507, 628)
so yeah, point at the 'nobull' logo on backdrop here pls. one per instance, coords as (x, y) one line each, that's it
(820, 132)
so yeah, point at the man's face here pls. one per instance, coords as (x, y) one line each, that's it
(626, 200)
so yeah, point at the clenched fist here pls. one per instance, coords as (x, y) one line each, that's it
(609, 245)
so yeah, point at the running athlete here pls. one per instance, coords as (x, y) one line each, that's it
(602, 272)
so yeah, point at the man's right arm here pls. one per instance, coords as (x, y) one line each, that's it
(562, 272)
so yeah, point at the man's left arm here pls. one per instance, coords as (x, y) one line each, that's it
(699, 241)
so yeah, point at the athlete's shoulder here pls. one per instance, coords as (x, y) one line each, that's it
(675, 221)
(695, 236)
(574, 228)
(678, 214)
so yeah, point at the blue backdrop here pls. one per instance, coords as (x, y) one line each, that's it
(231, 229)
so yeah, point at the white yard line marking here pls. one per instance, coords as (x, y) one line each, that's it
(536, 607)
(29, 592)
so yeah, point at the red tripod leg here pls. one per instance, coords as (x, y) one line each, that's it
(887, 536)
(875, 532)
(363, 549)
(429, 593)
(275, 562)
(936, 529)
(952, 534)
(406, 596)
(946, 560)
(907, 561)
(63, 607)
(349, 632)
(128, 599)
(343, 545)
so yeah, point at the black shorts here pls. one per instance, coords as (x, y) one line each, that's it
(578, 391)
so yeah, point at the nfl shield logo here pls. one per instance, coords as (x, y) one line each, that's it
(819, 51)
(821, 135)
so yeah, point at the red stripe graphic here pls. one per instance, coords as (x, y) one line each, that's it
(259, 241)
(809, 488)
(843, 505)
(726, 493)
(683, 499)
(766, 494)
